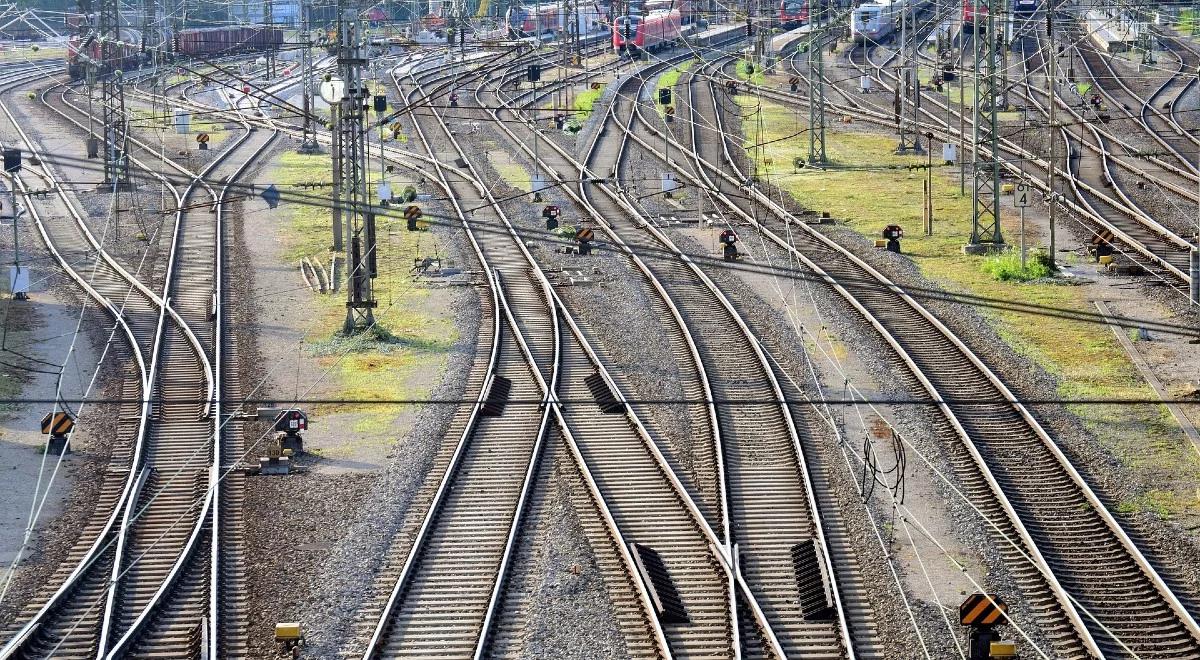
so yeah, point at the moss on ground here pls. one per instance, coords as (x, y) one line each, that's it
(411, 341)
(868, 187)
(585, 101)
(668, 80)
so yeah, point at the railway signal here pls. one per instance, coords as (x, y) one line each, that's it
(18, 278)
(551, 213)
(664, 96)
(893, 234)
(728, 240)
(202, 140)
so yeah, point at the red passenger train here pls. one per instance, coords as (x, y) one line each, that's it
(634, 35)
(972, 11)
(793, 13)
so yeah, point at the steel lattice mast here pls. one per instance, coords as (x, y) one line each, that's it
(115, 127)
(269, 21)
(908, 92)
(985, 197)
(351, 170)
(308, 143)
(816, 87)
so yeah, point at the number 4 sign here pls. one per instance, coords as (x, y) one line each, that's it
(1021, 196)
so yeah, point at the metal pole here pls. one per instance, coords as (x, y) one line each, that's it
(1022, 239)
(1052, 179)
(12, 189)
(962, 109)
(929, 186)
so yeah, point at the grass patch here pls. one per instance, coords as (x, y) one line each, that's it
(1189, 22)
(32, 53)
(668, 80)
(410, 343)
(585, 101)
(868, 186)
(512, 172)
(1006, 267)
(751, 72)
(146, 119)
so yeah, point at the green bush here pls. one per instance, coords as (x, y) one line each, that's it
(1006, 266)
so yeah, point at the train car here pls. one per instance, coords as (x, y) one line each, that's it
(875, 20)
(206, 42)
(534, 20)
(634, 35)
(793, 13)
(81, 51)
(686, 15)
(1024, 8)
(973, 11)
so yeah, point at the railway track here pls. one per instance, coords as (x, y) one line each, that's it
(1098, 208)
(160, 549)
(759, 448)
(591, 437)
(1020, 470)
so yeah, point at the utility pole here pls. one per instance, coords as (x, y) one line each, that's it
(308, 141)
(269, 21)
(1052, 73)
(908, 91)
(816, 87)
(350, 177)
(985, 195)
(148, 21)
(108, 30)
(1193, 262)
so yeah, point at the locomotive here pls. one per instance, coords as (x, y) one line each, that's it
(874, 20)
(536, 20)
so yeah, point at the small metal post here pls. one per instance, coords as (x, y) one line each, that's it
(20, 295)
(1195, 275)
(1023, 239)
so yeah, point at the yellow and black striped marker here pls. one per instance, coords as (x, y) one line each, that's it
(982, 610)
(59, 423)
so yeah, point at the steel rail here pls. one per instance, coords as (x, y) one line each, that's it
(938, 125)
(472, 177)
(661, 464)
(620, 199)
(499, 302)
(1064, 464)
(25, 634)
(206, 508)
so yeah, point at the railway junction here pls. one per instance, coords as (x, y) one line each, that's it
(600, 329)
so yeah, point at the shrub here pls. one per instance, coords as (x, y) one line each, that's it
(1006, 267)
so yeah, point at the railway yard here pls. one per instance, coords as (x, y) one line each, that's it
(644, 328)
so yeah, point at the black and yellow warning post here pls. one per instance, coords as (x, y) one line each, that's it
(982, 613)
